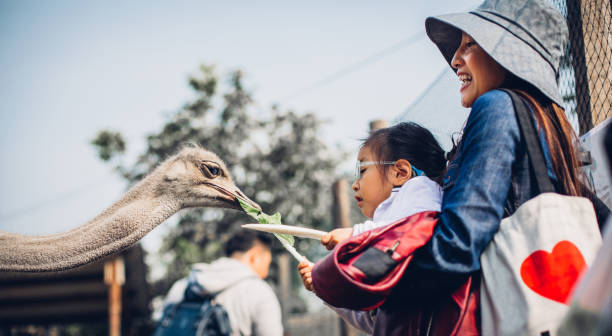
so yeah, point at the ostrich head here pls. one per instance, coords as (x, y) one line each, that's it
(199, 178)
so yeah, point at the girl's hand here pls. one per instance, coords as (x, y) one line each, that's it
(305, 269)
(336, 236)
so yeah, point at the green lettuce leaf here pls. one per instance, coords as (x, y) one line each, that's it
(250, 210)
(263, 218)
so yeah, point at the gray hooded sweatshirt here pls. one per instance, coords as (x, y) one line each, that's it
(250, 302)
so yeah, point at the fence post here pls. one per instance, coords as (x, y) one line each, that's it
(341, 204)
(284, 276)
(114, 277)
(377, 124)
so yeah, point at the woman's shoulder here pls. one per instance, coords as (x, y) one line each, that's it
(492, 118)
(497, 100)
(492, 109)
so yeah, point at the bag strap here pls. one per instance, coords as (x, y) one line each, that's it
(537, 161)
(194, 291)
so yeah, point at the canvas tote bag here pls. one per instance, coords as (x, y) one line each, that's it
(536, 257)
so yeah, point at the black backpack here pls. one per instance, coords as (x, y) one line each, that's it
(197, 314)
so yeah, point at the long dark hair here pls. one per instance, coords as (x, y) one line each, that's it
(409, 141)
(560, 136)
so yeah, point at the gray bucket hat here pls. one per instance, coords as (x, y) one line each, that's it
(525, 36)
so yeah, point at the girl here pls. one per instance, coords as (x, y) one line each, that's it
(399, 171)
(388, 159)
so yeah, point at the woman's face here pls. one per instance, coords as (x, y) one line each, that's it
(477, 71)
(371, 187)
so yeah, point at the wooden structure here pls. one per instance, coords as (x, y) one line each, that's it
(378, 124)
(114, 278)
(85, 294)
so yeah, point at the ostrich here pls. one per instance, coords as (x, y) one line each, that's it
(194, 177)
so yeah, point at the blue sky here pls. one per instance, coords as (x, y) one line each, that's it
(71, 68)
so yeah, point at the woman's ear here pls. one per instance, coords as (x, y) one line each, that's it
(401, 172)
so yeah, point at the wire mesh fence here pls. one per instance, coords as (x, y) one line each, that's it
(585, 74)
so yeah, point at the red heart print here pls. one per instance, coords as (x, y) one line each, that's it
(554, 274)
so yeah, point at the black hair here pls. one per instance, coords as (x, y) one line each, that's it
(244, 240)
(409, 141)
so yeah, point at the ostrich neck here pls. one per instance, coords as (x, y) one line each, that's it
(115, 229)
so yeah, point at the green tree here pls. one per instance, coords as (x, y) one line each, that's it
(277, 159)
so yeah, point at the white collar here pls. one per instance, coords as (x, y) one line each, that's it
(418, 194)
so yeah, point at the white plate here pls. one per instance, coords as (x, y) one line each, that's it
(287, 229)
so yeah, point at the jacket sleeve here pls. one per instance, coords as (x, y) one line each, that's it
(362, 320)
(266, 312)
(601, 209)
(473, 201)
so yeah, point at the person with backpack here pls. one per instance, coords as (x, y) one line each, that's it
(235, 283)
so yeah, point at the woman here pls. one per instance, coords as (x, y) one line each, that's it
(502, 44)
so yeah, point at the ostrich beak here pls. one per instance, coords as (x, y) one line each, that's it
(229, 194)
(239, 194)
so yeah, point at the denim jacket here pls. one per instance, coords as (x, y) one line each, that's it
(491, 165)
(488, 179)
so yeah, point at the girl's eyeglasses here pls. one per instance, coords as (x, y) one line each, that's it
(361, 164)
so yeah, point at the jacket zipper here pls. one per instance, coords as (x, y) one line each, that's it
(429, 324)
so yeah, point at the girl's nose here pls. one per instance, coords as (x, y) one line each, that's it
(355, 186)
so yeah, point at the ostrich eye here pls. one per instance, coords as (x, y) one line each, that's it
(211, 170)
